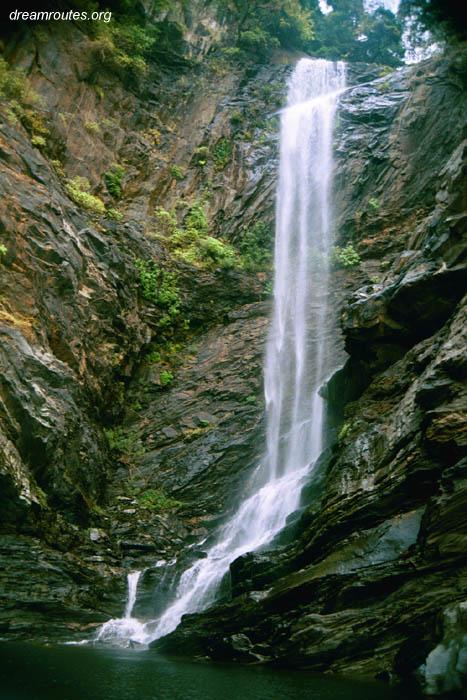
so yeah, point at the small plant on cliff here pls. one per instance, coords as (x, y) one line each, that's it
(373, 204)
(222, 153)
(201, 156)
(113, 179)
(38, 141)
(122, 48)
(177, 173)
(157, 501)
(78, 190)
(256, 246)
(114, 214)
(165, 377)
(3, 250)
(216, 253)
(92, 127)
(124, 442)
(160, 288)
(344, 431)
(345, 257)
(14, 85)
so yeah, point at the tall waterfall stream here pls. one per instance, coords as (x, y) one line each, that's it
(297, 355)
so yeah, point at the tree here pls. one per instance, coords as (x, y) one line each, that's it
(264, 25)
(443, 18)
(351, 33)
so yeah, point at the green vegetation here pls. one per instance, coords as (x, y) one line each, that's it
(160, 288)
(124, 442)
(345, 257)
(121, 49)
(15, 86)
(113, 179)
(348, 32)
(192, 242)
(165, 377)
(3, 250)
(443, 18)
(78, 190)
(344, 431)
(256, 246)
(114, 214)
(269, 24)
(373, 203)
(157, 501)
(236, 118)
(92, 127)
(201, 156)
(58, 167)
(351, 33)
(38, 141)
(22, 102)
(177, 173)
(222, 153)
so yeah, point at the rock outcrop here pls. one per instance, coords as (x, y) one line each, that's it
(362, 582)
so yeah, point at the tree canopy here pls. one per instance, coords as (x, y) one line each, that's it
(347, 32)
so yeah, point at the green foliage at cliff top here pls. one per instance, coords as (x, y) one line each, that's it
(444, 18)
(346, 33)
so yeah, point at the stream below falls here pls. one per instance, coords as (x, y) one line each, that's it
(33, 672)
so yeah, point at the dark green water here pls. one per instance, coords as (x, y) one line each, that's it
(29, 672)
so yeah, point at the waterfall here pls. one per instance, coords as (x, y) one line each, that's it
(123, 630)
(297, 359)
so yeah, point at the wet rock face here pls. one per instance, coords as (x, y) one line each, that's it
(207, 429)
(362, 582)
(75, 330)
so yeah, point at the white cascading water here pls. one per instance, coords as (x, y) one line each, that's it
(126, 627)
(297, 359)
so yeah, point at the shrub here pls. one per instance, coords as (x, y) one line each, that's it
(177, 173)
(222, 153)
(157, 500)
(258, 43)
(78, 190)
(160, 288)
(166, 222)
(256, 246)
(114, 214)
(124, 442)
(197, 219)
(38, 141)
(344, 431)
(92, 127)
(58, 167)
(113, 180)
(217, 253)
(373, 203)
(121, 49)
(14, 85)
(165, 377)
(236, 118)
(201, 156)
(3, 250)
(345, 257)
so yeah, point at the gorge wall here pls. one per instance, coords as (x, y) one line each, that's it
(99, 407)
